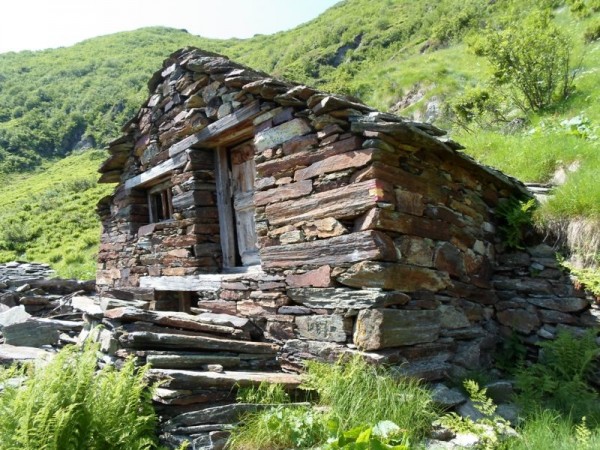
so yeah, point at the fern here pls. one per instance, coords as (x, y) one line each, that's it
(559, 379)
(69, 405)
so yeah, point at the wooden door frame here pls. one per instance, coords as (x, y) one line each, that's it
(225, 209)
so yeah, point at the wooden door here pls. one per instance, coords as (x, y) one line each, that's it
(243, 173)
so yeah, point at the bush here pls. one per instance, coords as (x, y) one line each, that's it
(68, 405)
(532, 57)
(592, 32)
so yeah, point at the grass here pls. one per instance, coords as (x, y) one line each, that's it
(351, 394)
(50, 215)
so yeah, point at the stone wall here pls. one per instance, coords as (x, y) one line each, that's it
(374, 233)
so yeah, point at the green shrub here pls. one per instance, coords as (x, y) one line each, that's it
(280, 427)
(532, 57)
(592, 32)
(68, 405)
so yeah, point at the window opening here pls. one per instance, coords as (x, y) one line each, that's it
(160, 203)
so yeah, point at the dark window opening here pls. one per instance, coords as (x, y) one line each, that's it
(160, 203)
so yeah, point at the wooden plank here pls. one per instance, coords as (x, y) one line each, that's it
(183, 283)
(354, 247)
(156, 172)
(225, 208)
(146, 339)
(341, 203)
(216, 128)
(243, 174)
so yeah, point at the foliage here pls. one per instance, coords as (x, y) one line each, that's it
(359, 394)
(533, 58)
(517, 218)
(592, 32)
(67, 404)
(384, 435)
(357, 404)
(546, 429)
(280, 427)
(491, 429)
(49, 216)
(263, 394)
(558, 381)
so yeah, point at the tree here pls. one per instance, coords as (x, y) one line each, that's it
(532, 57)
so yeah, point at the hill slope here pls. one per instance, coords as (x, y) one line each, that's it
(395, 54)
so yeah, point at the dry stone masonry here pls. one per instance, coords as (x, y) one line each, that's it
(332, 227)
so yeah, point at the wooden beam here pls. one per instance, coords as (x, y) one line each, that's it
(157, 172)
(225, 208)
(216, 128)
(184, 283)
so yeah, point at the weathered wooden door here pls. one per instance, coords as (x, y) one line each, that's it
(243, 173)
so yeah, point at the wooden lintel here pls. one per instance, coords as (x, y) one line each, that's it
(157, 172)
(216, 128)
(189, 283)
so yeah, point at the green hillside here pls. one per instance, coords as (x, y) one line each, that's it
(415, 58)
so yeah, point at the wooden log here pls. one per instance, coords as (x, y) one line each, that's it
(184, 379)
(217, 128)
(369, 245)
(143, 339)
(155, 173)
(341, 203)
(169, 319)
(384, 328)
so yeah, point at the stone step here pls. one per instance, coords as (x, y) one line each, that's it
(189, 379)
(167, 341)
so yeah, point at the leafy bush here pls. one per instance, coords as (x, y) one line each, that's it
(592, 32)
(280, 427)
(532, 57)
(68, 405)
(384, 435)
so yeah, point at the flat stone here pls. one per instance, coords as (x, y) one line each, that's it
(392, 276)
(31, 333)
(519, 320)
(563, 304)
(333, 328)
(16, 314)
(383, 328)
(344, 298)
(10, 354)
(447, 398)
(272, 137)
(320, 277)
(452, 317)
(500, 391)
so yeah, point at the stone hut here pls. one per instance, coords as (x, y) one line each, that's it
(332, 226)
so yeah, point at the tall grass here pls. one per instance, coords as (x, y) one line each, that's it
(359, 393)
(69, 405)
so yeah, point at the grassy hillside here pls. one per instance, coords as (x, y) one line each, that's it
(415, 58)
